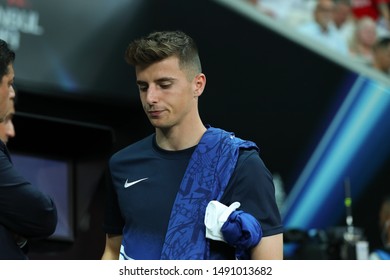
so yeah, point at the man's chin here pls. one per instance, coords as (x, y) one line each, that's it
(159, 124)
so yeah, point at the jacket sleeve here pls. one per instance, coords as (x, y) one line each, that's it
(24, 210)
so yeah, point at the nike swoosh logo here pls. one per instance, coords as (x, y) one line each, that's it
(129, 184)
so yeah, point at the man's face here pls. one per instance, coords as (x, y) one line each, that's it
(341, 14)
(168, 96)
(367, 34)
(6, 91)
(7, 129)
(324, 13)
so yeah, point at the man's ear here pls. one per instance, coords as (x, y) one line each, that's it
(199, 84)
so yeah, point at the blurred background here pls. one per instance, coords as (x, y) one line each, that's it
(320, 117)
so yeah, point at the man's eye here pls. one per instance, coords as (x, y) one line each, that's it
(142, 88)
(165, 86)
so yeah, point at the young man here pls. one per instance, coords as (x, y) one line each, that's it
(25, 212)
(169, 190)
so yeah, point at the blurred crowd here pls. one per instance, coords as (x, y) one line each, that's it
(358, 29)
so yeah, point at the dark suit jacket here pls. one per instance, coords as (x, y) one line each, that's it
(24, 210)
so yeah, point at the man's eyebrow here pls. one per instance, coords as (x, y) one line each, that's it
(141, 82)
(166, 79)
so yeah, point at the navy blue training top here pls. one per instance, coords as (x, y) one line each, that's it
(145, 180)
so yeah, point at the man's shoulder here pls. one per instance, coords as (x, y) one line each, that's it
(249, 156)
(136, 147)
(232, 138)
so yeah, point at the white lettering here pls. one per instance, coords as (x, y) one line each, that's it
(21, 20)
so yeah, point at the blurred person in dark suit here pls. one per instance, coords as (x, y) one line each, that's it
(25, 212)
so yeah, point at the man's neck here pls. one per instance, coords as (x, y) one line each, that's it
(180, 138)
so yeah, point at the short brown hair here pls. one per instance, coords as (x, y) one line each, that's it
(163, 44)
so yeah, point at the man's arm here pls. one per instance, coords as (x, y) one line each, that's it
(113, 246)
(24, 209)
(269, 248)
